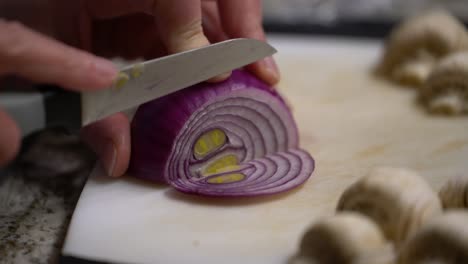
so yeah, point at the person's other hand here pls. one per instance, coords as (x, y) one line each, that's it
(131, 29)
(28, 54)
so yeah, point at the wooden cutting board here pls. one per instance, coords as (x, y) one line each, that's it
(349, 121)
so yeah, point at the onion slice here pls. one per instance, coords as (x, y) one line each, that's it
(230, 139)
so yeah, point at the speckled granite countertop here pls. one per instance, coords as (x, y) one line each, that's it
(38, 194)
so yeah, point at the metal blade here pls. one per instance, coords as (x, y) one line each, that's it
(156, 78)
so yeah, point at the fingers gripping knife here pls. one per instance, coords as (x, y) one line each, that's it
(136, 84)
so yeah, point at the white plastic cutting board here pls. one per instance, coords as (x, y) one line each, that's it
(349, 122)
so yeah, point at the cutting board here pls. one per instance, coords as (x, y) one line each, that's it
(349, 121)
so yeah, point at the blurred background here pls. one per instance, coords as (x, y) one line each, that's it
(370, 18)
(38, 194)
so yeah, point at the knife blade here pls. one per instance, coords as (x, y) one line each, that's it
(143, 82)
(137, 84)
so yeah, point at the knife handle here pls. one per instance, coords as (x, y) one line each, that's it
(62, 108)
(42, 107)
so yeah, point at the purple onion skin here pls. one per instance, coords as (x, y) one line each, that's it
(156, 124)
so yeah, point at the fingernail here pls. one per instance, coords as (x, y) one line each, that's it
(105, 71)
(108, 154)
(271, 67)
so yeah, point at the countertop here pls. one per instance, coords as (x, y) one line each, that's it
(38, 194)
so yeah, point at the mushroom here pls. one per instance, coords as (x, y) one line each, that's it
(345, 238)
(415, 45)
(454, 193)
(446, 89)
(443, 240)
(397, 199)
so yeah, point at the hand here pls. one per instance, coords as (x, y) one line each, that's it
(125, 28)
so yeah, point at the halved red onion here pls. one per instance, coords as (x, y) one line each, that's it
(233, 138)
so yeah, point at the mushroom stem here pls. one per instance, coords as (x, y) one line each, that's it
(446, 89)
(415, 71)
(450, 103)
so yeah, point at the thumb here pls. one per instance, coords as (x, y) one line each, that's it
(179, 23)
(110, 139)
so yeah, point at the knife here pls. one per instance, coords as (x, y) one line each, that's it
(49, 106)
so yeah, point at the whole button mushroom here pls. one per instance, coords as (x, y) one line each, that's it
(345, 238)
(454, 193)
(446, 89)
(414, 46)
(397, 199)
(443, 240)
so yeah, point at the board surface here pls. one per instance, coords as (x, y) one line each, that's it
(348, 120)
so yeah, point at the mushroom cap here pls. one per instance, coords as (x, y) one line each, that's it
(397, 199)
(435, 32)
(415, 71)
(444, 239)
(341, 238)
(449, 77)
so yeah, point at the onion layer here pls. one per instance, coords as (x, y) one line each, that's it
(234, 138)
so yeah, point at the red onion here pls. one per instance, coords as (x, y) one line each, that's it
(233, 138)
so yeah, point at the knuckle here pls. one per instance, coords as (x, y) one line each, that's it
(86, 62)
(249, 29)
(191, 30)
(189, 35)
